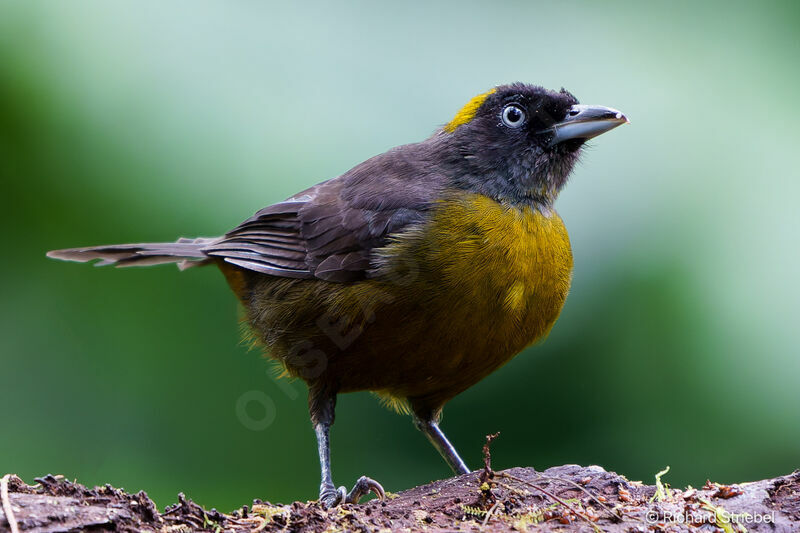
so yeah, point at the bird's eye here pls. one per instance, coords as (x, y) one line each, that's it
(513, 116)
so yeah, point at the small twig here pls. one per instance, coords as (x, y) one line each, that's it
(10, 518)
(488, 498)
(262, 526)
(584, 489)
(553, 496)
(488, 473)
(489, 514)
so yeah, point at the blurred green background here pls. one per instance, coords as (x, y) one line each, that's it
(145, 121)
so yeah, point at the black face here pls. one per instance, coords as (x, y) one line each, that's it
(507, 145)
(528, 113)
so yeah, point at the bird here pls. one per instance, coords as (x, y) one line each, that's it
(415, 274)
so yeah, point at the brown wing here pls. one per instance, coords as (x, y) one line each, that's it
(330, 230)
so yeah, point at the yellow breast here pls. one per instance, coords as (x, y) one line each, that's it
(515, 259)
(499, 273)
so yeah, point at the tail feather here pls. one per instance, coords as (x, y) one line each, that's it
(186, 252)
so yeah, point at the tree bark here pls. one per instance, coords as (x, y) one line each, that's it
(565, 498)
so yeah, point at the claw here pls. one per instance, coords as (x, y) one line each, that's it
(364, 486)
(331, 497)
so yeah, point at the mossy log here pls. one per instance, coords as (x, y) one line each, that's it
(566, 498)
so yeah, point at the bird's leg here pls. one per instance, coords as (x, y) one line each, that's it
(329, 495)
(430, 427)
(322, 406)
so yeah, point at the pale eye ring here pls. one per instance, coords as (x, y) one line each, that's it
(513, 116)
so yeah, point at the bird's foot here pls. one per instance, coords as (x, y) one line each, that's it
(331, 497)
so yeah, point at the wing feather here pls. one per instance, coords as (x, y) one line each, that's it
(329, 231)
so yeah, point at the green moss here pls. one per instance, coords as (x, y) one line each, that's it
(662, 489)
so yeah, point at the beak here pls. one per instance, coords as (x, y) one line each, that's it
(585, 122)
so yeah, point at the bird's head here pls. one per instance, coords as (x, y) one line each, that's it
(519, 142)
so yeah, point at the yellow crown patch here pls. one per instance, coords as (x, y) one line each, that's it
(467, 112)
